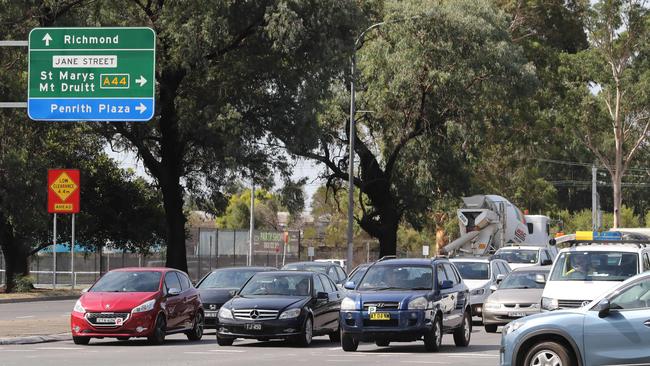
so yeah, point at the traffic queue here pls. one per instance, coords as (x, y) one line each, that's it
(581, 307)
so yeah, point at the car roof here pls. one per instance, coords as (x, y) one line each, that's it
(404, 261)
(623, 247)
(256, 268)
(533, 269)
(473, 259)
(145, 269)
(522, 247)
(321, 264)
(288, 273)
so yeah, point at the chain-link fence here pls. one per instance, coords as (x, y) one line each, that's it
(207, 249)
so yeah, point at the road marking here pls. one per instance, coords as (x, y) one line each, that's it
(25, 317)
(59, 348)
(18, 350)
(197, 353)
(334, 348)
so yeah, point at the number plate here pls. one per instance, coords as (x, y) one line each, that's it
(253, 326)
(211, 314)
(117, 321)
(516, 315)
(380, 316)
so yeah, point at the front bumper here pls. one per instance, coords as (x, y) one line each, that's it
(505, 316)
(137, 325)
(270, 329)
(404, 325)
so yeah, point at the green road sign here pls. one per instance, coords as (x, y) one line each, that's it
(91, 74)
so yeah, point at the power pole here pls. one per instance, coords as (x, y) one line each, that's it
(594, 199)
(252, 225)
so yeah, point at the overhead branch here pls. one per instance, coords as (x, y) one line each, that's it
(238, 40)
(634, 149)
(599, 155)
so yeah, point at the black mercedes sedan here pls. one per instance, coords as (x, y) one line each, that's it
(289, 305)
(220, 285)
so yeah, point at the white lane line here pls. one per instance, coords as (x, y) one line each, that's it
(59, 348)
(25, 317)
(18, 350)
(334, 348)
(197, 353)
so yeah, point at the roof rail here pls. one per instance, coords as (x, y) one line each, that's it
(386, 257)
(639, 243)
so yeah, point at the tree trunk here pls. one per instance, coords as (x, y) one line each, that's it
(618, 198)
(173, 203)
(15, 254)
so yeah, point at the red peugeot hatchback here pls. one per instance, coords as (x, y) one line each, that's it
(138, 302)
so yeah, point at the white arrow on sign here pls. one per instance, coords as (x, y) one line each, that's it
(47, 39)
(141, 108)
(141, 81)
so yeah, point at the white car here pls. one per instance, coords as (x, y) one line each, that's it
(340, 262)
(590, 268)
(480, 274)
(526, 256)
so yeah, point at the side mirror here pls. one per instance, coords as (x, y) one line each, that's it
(552, 242)
(500, 278)
(322, 296)
(493, 288)
(547, 262)
(540, 278)
(602, 308)
(446, 284)
(232, 293)
(349, 285)
(173, 291)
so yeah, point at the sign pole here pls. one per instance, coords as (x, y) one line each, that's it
(72, 254)
(54, 255)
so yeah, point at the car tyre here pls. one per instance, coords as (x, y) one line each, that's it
(382, 343)
(335, 336)
(197, 329)
(433, 337)
(81, 340)
(349, 343)
(159, 330)
(463, 334)
(491, 328)
(304, 339)
(224, 341)
(547, 353)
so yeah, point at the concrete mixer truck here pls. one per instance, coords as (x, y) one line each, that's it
(490, 222)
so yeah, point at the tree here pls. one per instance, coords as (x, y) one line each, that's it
(610, 83)
(432, 84)
(237, 213)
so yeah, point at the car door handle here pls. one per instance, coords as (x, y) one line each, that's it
(647, 323)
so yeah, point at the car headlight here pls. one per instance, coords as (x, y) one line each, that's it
(477, 291)
(78, 308)
(512, 326)
(549, 303)
(348, 304)
(225, 313)
(145, 306)
(290, 314)
(419, 303)
(492, 306)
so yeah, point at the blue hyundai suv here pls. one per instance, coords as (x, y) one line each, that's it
(614, 329)
(406, 300)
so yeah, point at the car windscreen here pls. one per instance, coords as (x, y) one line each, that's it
(306, 267)
(358, 273)
(228, 278)
(595, 266)
(521, 280)
(145, 281)
(393, 277)
(473, 270)
(277, 285)
(519, 255)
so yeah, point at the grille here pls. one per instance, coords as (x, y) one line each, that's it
(211, 307)
(92, 318)
(255, 314)
(570, 303)
(380, 323)
(521, 306)
(387, 305)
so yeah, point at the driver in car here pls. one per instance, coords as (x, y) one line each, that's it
(580, 266)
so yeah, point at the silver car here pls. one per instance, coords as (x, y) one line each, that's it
(518, 295)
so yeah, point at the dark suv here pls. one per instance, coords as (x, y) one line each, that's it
(406, 300)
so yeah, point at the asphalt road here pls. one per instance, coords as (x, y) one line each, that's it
(36, 310)
(483, 350)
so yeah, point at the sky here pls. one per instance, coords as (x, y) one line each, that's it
(303, 168)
